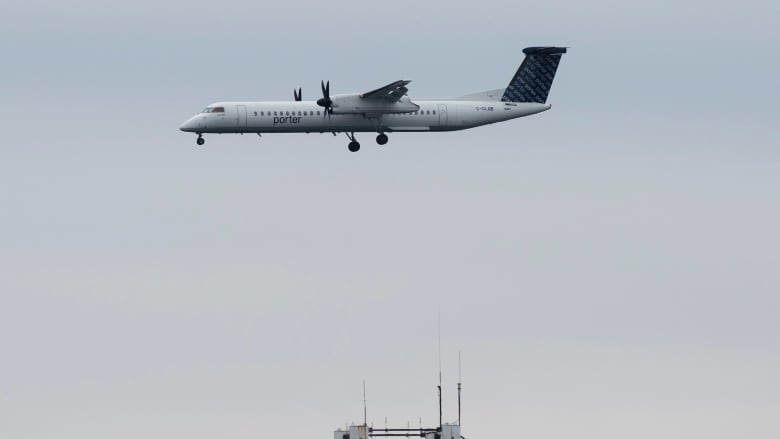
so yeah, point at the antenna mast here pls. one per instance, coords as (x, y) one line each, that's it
(459, 381)
(440, 410)
(365, 411)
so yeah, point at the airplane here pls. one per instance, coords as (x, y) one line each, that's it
(387, 109)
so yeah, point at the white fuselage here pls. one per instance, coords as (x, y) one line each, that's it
(308, 117)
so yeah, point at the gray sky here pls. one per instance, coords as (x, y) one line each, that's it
(609, 268)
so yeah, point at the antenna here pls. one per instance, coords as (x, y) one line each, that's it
(439, 333)
(440, 423)
(459, 381)
(440, 409)
(365, 411)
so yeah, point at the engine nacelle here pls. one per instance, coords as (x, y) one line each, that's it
(354, 104)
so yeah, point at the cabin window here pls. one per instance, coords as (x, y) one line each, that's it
(255, 113)
(299, 113)
(288, 113)
(434, 111)
(318, 112)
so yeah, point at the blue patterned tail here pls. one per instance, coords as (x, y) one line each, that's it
(534, 78)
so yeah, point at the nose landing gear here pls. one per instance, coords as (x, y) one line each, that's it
(200, 140)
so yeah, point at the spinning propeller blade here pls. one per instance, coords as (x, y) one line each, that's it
(325, 101)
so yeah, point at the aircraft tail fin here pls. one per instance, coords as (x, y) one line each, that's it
(534, 78)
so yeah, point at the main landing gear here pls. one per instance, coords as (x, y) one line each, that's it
(354, 145)
(200, 140)
(381, 139)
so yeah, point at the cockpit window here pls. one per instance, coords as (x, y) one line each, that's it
(214, 110)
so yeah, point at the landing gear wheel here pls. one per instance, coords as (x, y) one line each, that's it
(200, 140)
(354, 146)
(381, 139)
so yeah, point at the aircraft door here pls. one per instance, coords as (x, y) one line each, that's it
(443, 115)
(241, 115)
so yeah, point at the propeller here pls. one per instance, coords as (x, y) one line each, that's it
(325, 100)
(298, 94)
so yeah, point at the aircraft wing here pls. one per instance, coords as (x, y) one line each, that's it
(389, 93)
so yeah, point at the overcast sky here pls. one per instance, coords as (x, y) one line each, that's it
(609, 268)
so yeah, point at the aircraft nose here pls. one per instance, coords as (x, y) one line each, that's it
(190, 125)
